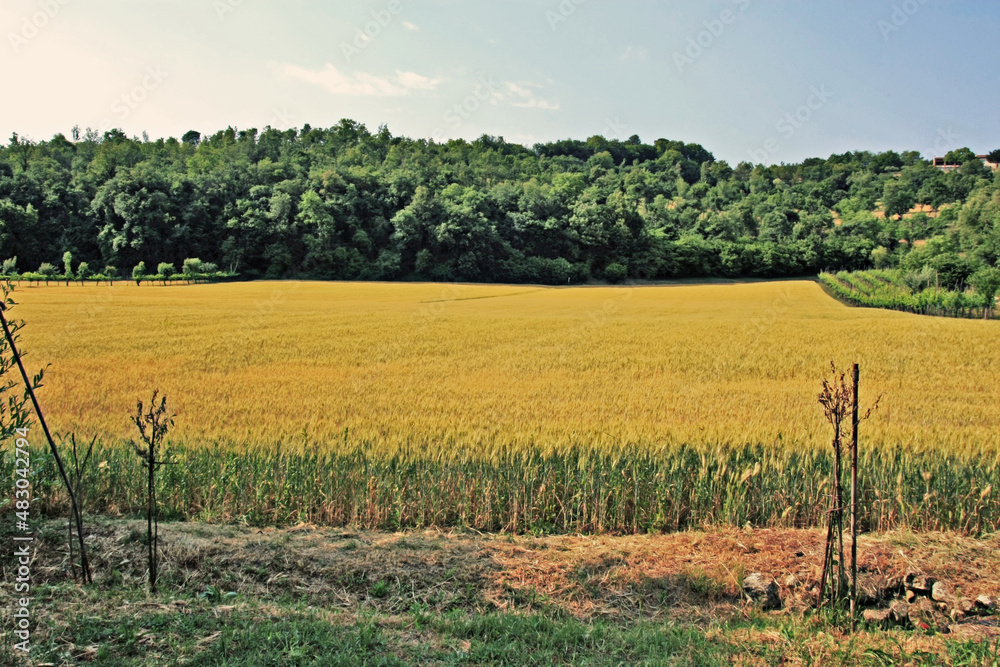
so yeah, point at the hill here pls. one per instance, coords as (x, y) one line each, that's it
(346, 203)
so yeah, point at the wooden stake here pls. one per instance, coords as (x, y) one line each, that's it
(84, 563)
(854, 499)
(827, 557)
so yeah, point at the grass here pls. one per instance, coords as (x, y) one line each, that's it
(286, 637)
(238, 596)
(260, 636)
(630, 491)
(263, 635)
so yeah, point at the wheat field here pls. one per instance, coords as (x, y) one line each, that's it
(426, 367)
(588, 409)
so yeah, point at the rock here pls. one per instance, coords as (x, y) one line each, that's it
(974, 631)
(875, 589)
(941, 592)
(899, 613)
(922, 606)
(791, 581)
(984, 603)
(919, 583)
(957, 615)
(762, 590)
(879, 617)
(966, 606)
(911, 596)
(924, 615)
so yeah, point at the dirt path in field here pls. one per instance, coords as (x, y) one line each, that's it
(695, 575)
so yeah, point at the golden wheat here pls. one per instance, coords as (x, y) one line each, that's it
(472, 369)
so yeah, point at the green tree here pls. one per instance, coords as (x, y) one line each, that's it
(320, 236)
(898, 197)
(881, 257)
(138, 213)
(959, 156)
(82, 272)
(164, 270)
(975, 168)
(192, 267)
(21, 231)
(952, 269)
(615, 272)
(344, 203)
(67, 266)
(111, 272)
(139, 273)
(987, 283)
(47, 271)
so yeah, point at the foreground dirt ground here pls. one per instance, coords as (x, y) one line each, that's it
(690, 578)
(681, 574)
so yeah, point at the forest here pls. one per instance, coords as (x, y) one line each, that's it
(348, 204)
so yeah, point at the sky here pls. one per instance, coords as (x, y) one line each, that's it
(765, 82)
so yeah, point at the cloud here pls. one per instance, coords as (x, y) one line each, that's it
(410, 26)
(520, 95)
(362, 84)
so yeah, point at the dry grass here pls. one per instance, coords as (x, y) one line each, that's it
(680, 576)
(432, 367)
(426, 596)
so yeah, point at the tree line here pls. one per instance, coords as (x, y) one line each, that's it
(346, 203)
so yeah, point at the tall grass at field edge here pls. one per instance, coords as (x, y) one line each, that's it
(634, 490)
